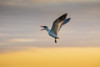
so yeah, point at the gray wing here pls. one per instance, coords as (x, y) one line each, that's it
(66, 21)
(57, 23)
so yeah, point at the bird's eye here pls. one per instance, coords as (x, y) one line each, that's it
(45, 26)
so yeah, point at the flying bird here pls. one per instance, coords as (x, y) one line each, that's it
(57, 24)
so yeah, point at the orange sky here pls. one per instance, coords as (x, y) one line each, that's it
(52, 57)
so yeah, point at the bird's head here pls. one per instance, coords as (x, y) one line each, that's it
(44, 27)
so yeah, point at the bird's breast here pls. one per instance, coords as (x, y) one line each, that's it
(53, 35)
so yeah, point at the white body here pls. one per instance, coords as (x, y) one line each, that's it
(53, 35)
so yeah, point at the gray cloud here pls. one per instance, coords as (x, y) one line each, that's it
(24, 22)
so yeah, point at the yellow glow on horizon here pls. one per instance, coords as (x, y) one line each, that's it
(52, 57)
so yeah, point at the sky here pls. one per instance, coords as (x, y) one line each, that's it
(20, 22)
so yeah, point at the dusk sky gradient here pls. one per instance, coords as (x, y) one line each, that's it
(22, 44)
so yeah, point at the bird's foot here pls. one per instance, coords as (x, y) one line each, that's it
(55, 41)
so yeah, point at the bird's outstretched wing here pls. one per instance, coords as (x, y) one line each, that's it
(66, 21)
(57, 23)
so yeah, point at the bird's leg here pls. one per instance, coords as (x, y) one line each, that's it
(55, 40)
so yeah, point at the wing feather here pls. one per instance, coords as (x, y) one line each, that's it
(66, 21)
(57, 23)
